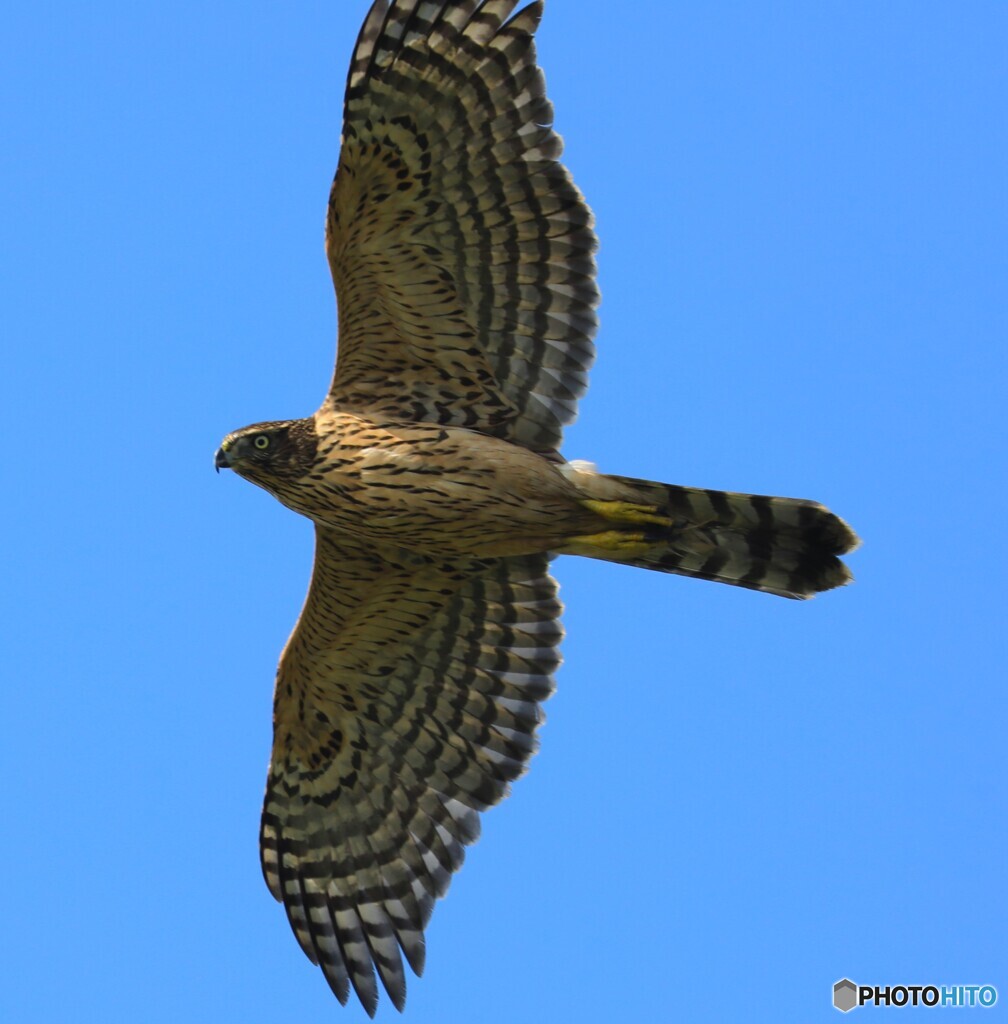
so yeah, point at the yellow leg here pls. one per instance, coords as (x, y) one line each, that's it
(627, 512)
(615, 542)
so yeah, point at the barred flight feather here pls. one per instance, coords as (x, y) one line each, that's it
(460, 248)
(368, 811)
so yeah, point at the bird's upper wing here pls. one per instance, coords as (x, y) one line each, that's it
(461, 251)
(407, 699)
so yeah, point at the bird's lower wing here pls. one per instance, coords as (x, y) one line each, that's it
(407, 699)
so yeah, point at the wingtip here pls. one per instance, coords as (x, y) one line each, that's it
(532, 14)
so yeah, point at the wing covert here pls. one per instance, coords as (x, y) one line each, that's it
(461, 251)
(407, 700)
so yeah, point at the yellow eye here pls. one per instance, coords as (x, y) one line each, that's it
(261, 442)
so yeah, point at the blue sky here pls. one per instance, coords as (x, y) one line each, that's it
(738, 799)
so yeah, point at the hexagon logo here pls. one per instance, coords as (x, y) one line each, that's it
(845, 995)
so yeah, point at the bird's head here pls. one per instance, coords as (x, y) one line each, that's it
(267, 452)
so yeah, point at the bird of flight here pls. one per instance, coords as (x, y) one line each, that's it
(408, 695)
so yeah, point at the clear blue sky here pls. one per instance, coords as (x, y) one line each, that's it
(738, 799)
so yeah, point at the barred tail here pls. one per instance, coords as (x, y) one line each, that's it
(783, 546)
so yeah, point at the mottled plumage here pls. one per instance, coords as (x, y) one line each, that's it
(408, 695)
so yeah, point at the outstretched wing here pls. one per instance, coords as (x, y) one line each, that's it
(407, 699)
(461, 251)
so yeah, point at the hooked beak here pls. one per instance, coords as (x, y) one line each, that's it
(221, 460)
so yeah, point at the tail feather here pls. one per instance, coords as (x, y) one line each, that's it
(784, 546)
